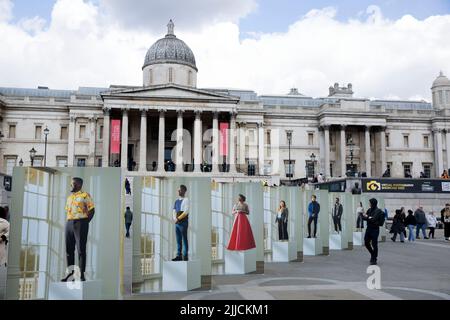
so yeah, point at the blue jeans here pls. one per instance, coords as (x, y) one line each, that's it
(411, 232)
(421, 226)
(181, 231)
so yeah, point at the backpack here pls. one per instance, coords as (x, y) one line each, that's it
(381, 218)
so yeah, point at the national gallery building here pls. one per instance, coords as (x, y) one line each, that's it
(169, 126)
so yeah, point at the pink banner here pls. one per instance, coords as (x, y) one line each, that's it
(115, 136)
(223, 138)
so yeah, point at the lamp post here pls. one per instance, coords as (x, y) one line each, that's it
(21, 162)
(313, 161)
(289, 137)
(46, 132)
(351, 144)
(32, 155)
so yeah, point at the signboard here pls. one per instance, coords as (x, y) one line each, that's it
(406, 185)
(115, 136)
(223, 138)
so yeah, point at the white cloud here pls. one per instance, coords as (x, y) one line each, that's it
(381, 58)
(6, 7)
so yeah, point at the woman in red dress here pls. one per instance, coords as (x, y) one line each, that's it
(241, 234)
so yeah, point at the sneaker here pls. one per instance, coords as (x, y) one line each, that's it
(177, 258)
(402, 241)
(309, 237)
(373, 262)
(417, 237)
(426, 238)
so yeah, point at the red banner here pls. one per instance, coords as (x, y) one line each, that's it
(223, 138)
(115, 136)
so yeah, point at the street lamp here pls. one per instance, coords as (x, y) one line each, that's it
(21, 162)
(289, 137)
(32, 155)
(313, 160)
(351, 144)
(46, 132)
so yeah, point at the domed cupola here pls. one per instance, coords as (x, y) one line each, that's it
(170, 60)
(441, 92)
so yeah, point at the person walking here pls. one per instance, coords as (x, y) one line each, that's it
(127, 186)
(431, 222)
(313, 214)
(4, 236)
(128, 221)
(337, 216)
(359, 217)
(398, 226)
(445, 218)
(410, 222)
(181, 220)
(403, 213)
(421, 221)
(282, 220)
(375, 219)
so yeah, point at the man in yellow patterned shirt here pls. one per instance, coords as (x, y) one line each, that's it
(80, 211)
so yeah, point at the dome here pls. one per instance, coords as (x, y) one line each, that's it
(170, 49)
(441, 80)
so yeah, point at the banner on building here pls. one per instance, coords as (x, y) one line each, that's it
(406, 185)
(223, 138)
(115, 136)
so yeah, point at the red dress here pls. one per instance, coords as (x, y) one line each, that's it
(241, 234)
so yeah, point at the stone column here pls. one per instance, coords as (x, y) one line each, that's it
(106, 137)
(143, 142)
(383, 150)
(447, 140)
(438, 152)
(343, 151)
(124, 141)
(92, 140)
(233, 134)
(367, 150)
(71, 147)
(261, 148)
(215, 143)
(179, 146)
(198, 141)
(326, 130)
(161, 140)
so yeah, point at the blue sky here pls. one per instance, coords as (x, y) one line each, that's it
(277, 15)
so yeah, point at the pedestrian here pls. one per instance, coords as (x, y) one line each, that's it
(313, 214)
(359, 219)
(282, 220)
(421, 221)
(4, 236)
(431, 222)
(128, 221)
(398, 226)
(444, 175)
(375, 219)
(403, 212)
(127, 186)
(445, 218)
(336, 214)
(410, 222)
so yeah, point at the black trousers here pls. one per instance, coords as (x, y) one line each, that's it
(337, 223)
(127, 226)
(431, 233)
(371, 242)
(359, 222)
(76, 236)
(282, 230)
(310, 220)
(446, 229)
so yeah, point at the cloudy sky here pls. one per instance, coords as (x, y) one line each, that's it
(385, 48)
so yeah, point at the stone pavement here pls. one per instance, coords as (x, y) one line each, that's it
(419, 270)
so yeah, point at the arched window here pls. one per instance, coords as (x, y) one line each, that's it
(441, 97)
(170, 75)
(189, 78)
(151, 76)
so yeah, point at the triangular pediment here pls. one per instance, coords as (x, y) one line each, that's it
(169, 92)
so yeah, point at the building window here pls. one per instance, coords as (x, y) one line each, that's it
(170, 75)
(406, 141)
(100, 132)
(38, 161)
(189, 78)
(82, 133)
(12, 131)
(388, 143)
(61, 162)
(99, 161)
(38, 132)
(81, 162)
(310, 139)
(267, 167)
(10, 163)
(441, 97)
(151, 76)
(331, 169)
(268, 142)
(407, 166)
(64, 133)
(289, 169)
(309, 169)
(427, 169)
(426, 141)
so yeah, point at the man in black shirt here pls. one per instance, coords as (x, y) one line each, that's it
(375, 219)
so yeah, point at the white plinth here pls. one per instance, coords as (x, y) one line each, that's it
(284, 251)
(338, 242)
(181, 275)
(358, 238)
(382, 235)
(312, 246)
(240, 262)
(75, 290)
